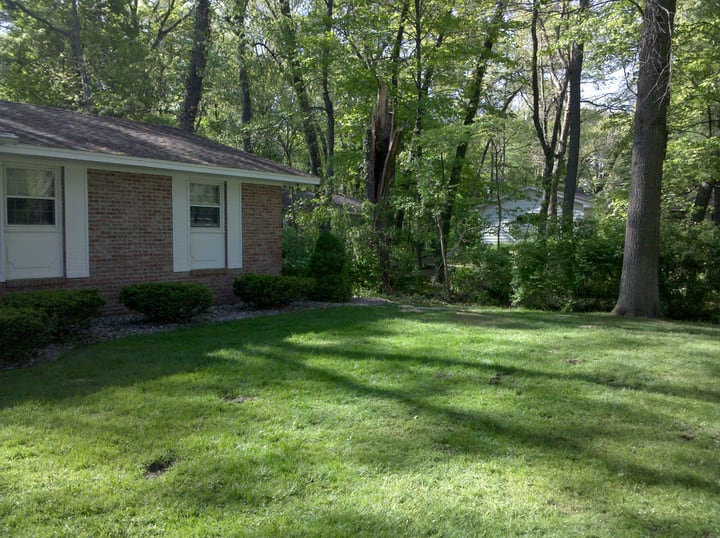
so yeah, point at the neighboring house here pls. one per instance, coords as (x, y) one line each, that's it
(511, 219)
(93, 201)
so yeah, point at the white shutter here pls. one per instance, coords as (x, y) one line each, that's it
(77, 244)
(180, 224)
(234, 225)
(2, 223)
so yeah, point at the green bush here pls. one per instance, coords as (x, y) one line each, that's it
(690, 271)
(578, 271)
(167, 301)
(486, 280)
(295, 253)
(22, 331)
(329, 266)
(265, 291)
(536, 277)
(66, 311)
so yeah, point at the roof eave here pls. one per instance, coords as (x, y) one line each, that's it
(156, 164)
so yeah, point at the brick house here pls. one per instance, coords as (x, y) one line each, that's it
(100, 202)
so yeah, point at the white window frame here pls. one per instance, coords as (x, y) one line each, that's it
(57, 187)
(71, 213)
(220, 228)
(230, 221)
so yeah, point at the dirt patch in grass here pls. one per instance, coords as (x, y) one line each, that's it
(160, 466)
(238, 399)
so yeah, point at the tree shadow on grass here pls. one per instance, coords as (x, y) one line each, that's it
(254, 356)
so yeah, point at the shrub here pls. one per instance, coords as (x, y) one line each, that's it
(577, 271)
(330, 268)
(167, 301)
(265, 291)
(690, 271)
(487, 279)
(22, 331)
(536, 276)
(295, 253)
(66, 311)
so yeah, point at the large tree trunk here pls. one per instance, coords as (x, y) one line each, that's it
(573, 159)
(639, 285)
(327, 99)
(298, 83)
(237, 19)
(198, 63)
(87, 100)
(382, 143)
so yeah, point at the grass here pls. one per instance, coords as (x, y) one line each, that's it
(359, 421)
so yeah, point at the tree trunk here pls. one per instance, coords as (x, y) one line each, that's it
(473, 93)
(246, 107)
(327, 99)
(237, 20)
(382, 143)
(243, 73)
(702, 200)
(573, 158)
(86, 102)
(548, 144)
(639, 284)
(298, 84)
(198, 63)
(73, 35)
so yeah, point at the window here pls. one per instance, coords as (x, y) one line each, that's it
(30, 195)
(204, 205)
(32, 222)
(207, 223)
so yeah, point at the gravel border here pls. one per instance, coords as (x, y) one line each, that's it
(113, 327)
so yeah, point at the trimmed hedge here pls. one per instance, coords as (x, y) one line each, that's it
(22, 331)
(167, 301)
(265, 291)
(65, 311)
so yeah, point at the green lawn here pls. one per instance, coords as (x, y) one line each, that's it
(371, 421)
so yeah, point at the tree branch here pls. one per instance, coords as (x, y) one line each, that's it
(18, 6)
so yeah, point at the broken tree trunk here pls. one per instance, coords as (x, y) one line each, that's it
(382, 142)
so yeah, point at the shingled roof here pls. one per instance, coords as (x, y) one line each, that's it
(68, 132)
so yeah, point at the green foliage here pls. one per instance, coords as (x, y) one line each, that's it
(690, 271)
(295, 253)
(167, 301)
(365, 271)
(330, 268)
(22, 331)
(488, 280)
(66, 311)
(265, 291)
(535, 278)
(579, 272)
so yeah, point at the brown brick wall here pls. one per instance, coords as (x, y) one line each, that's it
(262, 229)
(130, 234)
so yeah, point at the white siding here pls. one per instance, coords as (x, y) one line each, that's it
(77, 255)
(181, 225)
(234, 224)
(2, 225)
